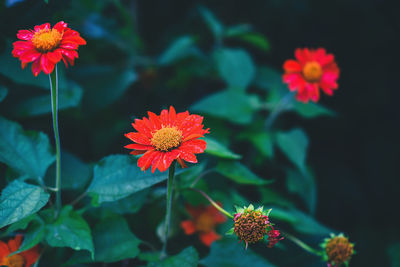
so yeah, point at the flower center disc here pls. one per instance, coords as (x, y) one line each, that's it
(15, 261)
(46, 40)
(339, 250)
(166, 139)
(205, 223)
(312, 71)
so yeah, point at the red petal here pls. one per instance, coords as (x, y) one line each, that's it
(30, 55)
(61, 26)
(4, 250)
(154, 120)
(139, 138)
(291, 65)
(188, 227)
(181, 162)
(41, 27)
(46, 65)
(15, 243)
(194, 146)
(209, 238)
(30, 256)
(172, 115)
(141, 127)
(36, 69)
(302, 55)
(164, 118)
(188, 156)
(144, 162)
(69, 45)
(170, 157)
(139, 147)
(54, 56)
(24, 35)
(158, 162)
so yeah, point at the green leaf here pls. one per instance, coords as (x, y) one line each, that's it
(3, 93)
(21, 224)
(104, 85)
(113, 241)
(294, 145)
(74, 172)
(299, 221)
(256, 39)
(27, 152)
(239, 173)
(118, 176)
(270, 196)
(67, 98)
(394, 254)
(229, 253)
(312, 110)
(19, 200)
(236, 67)
(70, 230)
(304, 185)
(33, 236)
(236, 107)
(180, 48)
(217, 149)
(186, 258)
(128, 205)
(264, 143)
(212, 22)
(270, 79)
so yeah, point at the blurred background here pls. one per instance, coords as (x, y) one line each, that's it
(352, 154)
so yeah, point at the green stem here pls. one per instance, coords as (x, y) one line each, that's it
(170, 185)
(54, 109)
(218, 207)
(303, 245)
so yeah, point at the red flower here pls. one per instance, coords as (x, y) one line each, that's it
(204, 220)
(167, 137)
(273, 236)
(45, 47)
(312, 70)
(23, 259)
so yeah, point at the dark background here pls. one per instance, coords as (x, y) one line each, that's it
(355, 155)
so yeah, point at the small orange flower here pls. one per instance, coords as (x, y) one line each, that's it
(45, 47)
(23, 259)
(204, 220)
(311, 71)
(164, 138)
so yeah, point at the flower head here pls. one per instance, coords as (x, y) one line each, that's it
(204, 220)
(23, 259)
(166, 137)
(338, 250)
(311, 71)
(252, 225)
(45, 47)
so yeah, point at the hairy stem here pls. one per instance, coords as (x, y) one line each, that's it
(218, 207)
(54, 109)
(303, 245)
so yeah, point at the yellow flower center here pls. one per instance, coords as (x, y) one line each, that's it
(205, 223)
(312, 71)
(166, 139)
(14, 261)
(46, 40)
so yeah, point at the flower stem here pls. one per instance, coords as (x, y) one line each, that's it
(54, 109)
(218, 207)
(303, 245)
(170, 185)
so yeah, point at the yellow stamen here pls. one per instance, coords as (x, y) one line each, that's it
(14, 261)
(166, 138)
(312, 71)
(46, 40)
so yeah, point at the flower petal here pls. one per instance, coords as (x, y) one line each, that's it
(139, 138)
(291, 65)
(188, 227)
(209, 238)
(144, 162)
(46, 64)
(194, 146)
(24, 35)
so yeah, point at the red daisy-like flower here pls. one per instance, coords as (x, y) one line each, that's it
(45, 47)
(311, 71)
(204, 220)
(23, 259)
(167, 137)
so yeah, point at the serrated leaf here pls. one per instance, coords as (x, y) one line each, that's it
(212, 22)
(19, 200)
(3, 93)
(180, 48)
(239, 173)
(113, 241)
(35, 106)
(312, 110)
(236, 67)
(229, 253)
(118, 176)
(186, 258)
(233, 106)
(294, 144)
(217, 149)
(70, 230)
(28, 153)
(300, 221)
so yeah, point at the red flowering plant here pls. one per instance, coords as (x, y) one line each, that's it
(8, 257)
